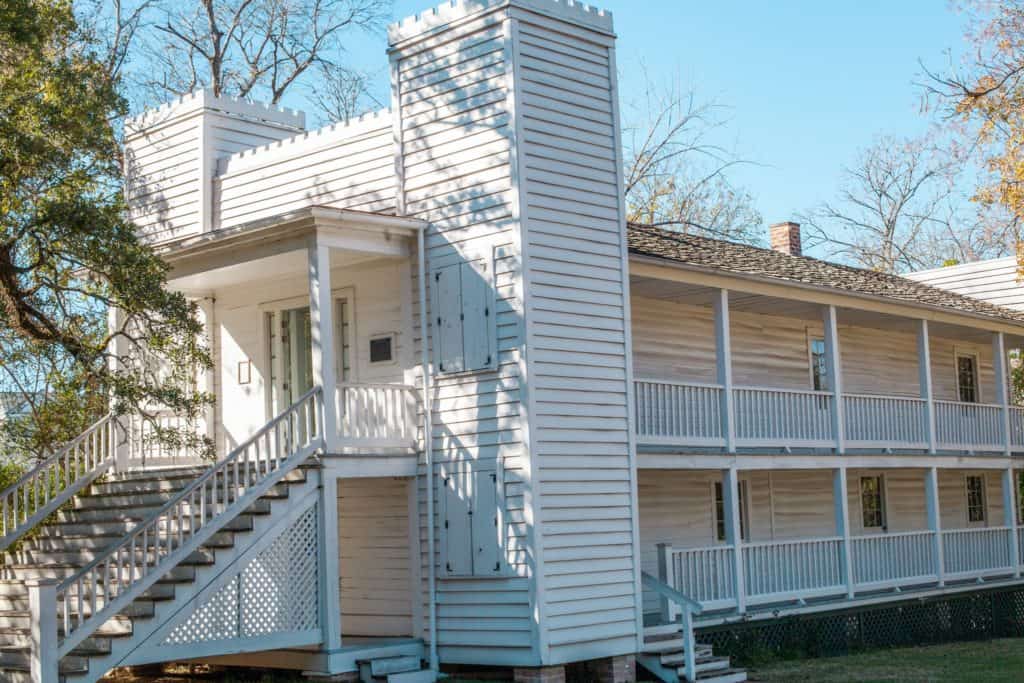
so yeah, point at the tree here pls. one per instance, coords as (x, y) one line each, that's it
(676, 175)
(984, 99)
(67, 253)
(250, 48)
(901, 209)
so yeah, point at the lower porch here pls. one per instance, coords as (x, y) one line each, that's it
(750, 542)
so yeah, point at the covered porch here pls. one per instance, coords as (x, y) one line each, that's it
(320, 297)
(743, 542)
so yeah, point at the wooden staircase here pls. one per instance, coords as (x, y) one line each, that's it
(663, 656)
(95, 520)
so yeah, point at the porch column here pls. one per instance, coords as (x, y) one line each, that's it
(1010, 517)
(723, 356)
(924, 370)
(931, 497)
(842, 509)
(121, 434)
(733, 532)
(207, 380)
(321, 319)
(1002, 388)
(835, 374)
(330, 589)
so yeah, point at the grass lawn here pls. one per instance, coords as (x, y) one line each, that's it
(995, 661)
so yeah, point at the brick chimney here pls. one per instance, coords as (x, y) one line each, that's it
(785, 238)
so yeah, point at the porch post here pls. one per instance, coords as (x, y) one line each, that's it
(842, 509)
(330, 604)
(931, 492)
(835, 374)
(723, 356)
(1010, 517)
(1002, 390)
(207, 381)
(733, 532)
(321, 317)
(121, 436)
(42, 605)
(666, 574)
(924, 369)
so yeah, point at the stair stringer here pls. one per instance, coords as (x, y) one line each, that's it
(145, 646)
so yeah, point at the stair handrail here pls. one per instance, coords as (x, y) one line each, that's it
(688, 609)
(280, 446)
(52, 482)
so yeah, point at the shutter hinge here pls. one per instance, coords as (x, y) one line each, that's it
(446, 524)
(462, 316)
(448, 566)
(487, 311)
(437, 277)
(497, 566)
(488, 360)
(439, 321)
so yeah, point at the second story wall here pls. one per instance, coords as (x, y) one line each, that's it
(996, 281)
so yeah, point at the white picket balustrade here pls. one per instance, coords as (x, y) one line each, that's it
(707, 575)
(975, 551)
(791, 569)
(146, 448)
(676, 412)
(125, 570)
(379, 415)
(968, 426)
(886, 560)
(45, 487)
(884, 421)
(1017, 428)
(774, 417)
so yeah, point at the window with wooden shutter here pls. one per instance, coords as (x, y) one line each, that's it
(470, 529)
(464, 325)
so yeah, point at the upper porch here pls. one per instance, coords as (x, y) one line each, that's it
(732, 365)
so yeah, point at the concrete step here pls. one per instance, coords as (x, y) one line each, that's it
(394, 665)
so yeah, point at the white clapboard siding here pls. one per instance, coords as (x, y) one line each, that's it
(676, 341)
(345, 165)
(577, 336)
(454, 152)
(374, 557)
(992, 280)
(171, 155)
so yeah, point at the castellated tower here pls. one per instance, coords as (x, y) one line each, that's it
(508, 141)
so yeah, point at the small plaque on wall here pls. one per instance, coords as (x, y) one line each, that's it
(244, 371)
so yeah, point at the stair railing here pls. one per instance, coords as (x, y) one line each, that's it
(688, 609)
(40, 491)
(156, 546)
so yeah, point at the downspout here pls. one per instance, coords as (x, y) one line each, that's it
(428, 452)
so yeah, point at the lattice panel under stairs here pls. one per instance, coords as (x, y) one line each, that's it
(276, 593)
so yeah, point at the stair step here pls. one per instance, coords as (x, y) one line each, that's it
(16, 590)
(100, 542)
(118, 528)
(675, 658)
(662, 630)
(728, 676)
(667, 645)
(424, 676)
(158, 498)
(84, 556)
(703, 663)
(62, 571)
(20, 639)
(136, 513)
(174, 481)
(20, 661)
(394, 665)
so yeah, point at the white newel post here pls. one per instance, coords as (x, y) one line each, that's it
(1010, 517)
(42, 605)
(733, 532)
(321, 317)
(924, 370)
(931, 497)
(835, 375)
(666, 574)
(842, 510)
(121, 445)
(1002, 389)
(723, 358)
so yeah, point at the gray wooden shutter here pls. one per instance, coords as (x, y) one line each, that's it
(458, 528)
(486, 534)
(477, 316)
(448, 318)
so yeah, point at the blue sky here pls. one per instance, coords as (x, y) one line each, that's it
(806, 83)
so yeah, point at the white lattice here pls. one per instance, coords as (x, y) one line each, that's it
(277, 592)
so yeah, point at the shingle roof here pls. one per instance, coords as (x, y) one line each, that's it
(743, 259)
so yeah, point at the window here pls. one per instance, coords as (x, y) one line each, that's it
(343, 325)
(967, 378)
(720, 531)
(819, 366)
(872, 502)
(975, 498)
(382, 349)
(464, 332)
(471, 529)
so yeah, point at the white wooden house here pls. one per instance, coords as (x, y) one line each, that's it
(467, 416)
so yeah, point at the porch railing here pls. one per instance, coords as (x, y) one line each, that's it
(783, 415)
(791, 570)
(691, 414)
(890, 560)
(975, 552)
(379, 415)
